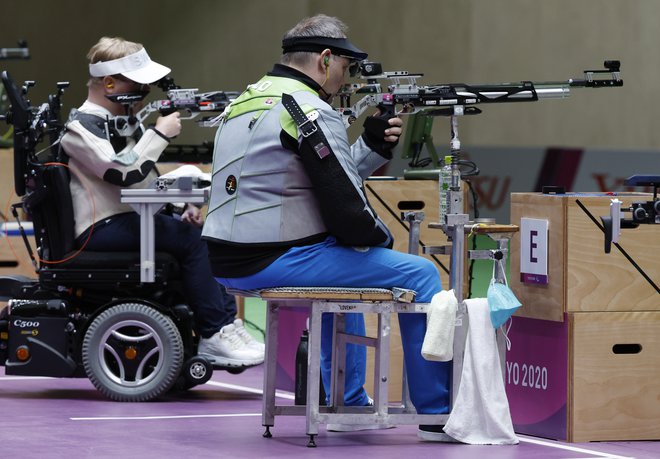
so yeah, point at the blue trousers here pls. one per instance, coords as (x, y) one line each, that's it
(329, 264)
(213, 308)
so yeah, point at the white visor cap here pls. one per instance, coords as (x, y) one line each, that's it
(137, 67)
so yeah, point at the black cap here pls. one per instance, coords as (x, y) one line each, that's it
(339, 46)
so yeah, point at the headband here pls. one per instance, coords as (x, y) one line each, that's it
(339, 46)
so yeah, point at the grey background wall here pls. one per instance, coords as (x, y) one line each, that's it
(213, 44)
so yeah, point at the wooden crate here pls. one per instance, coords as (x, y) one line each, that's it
(592, 335)
(593, 377)
(581, 276)
(615, 385)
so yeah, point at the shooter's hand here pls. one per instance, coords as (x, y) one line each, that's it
(170, 125)
(381, 134)
(393, 132)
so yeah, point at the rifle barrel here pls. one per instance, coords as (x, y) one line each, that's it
(548, 92)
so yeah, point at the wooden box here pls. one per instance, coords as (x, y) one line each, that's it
(593, 377)
(583, 365)
(582, 277)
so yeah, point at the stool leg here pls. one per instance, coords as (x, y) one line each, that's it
(313, 372)
(382, 365)
(270, 367)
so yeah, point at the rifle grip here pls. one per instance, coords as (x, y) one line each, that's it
(386, 111)
(166, 111)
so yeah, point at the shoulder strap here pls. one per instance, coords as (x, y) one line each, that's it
(308, 129)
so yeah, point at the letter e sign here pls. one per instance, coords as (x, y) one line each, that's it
(533, 251)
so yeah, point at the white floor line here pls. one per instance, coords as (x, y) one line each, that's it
(149, 418)
(282, 394)
(551, 444)
(278, 393)
(23, 378)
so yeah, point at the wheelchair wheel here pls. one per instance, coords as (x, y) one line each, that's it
(196, 371)
(132, 353)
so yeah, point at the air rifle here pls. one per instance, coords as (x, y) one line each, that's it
(189, 101)
(404, 96)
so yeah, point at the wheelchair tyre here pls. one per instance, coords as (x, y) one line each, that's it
(197, 370)
(132, 353)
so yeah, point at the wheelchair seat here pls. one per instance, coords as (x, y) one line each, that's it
(51, 208)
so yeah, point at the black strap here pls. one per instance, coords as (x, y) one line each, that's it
(308, 128)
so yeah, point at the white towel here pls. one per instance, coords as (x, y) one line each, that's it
(188, 170)
(481, 415)
(440, 322)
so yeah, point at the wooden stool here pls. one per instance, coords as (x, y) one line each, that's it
(339, 301)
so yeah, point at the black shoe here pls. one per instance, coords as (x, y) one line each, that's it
(429, 432)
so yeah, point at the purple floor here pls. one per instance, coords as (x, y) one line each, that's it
(68, 418)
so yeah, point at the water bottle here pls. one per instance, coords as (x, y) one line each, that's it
(300, 389)
(300, 383)
(443, 185)
(455, 204)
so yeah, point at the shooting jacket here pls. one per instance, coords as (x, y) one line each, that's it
(102, 163)
(271, 191)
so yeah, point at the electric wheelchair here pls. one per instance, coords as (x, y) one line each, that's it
(87, 313)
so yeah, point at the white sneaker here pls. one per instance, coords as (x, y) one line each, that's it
(248, 338)
(227, 349)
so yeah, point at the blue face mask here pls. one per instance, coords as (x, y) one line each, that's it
(502, 302)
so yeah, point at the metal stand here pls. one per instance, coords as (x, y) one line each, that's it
(414, 219)
(147, 202)
(455, 226)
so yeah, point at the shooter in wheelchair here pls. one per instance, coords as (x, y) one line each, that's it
(90, 312)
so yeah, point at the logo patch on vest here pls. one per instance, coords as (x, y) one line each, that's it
(230, 185)
(322, 150)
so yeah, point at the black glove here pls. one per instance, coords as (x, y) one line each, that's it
(374, 135)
